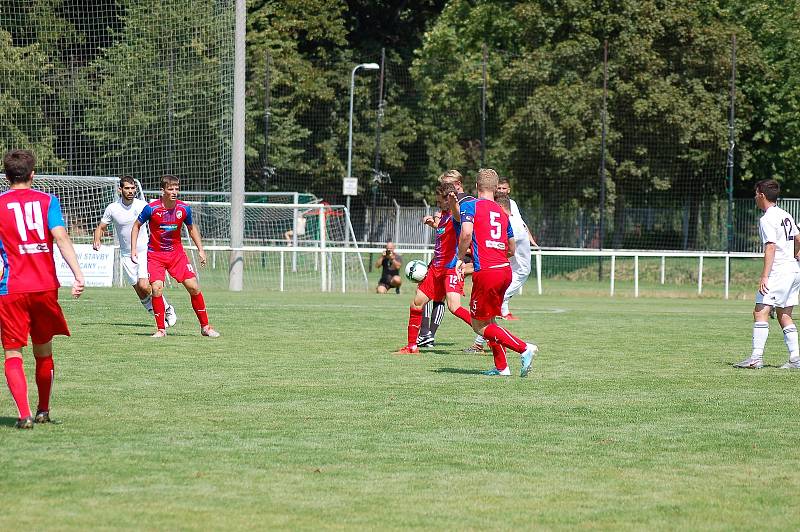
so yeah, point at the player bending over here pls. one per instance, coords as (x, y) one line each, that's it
(441, 282)
(485, 229)
(165, 218)
(123, 213)
(780, 277)
(433, 312)
(30, 221)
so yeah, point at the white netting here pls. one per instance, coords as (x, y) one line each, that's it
(299, 246)
(115, 87)
(83, 200)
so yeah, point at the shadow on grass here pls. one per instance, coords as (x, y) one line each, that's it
(7, 421)
(460, 371)
(118, 324)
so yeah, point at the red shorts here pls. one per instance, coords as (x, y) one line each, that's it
(174, 262)
(439, 281)
(488, 288)
(37, 314)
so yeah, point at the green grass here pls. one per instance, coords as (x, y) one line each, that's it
(300, 418)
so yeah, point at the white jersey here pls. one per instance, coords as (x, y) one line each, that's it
(778, 226)
(122, 217)
(521, 261)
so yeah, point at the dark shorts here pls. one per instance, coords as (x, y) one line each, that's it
(34, 314)
(386, 279)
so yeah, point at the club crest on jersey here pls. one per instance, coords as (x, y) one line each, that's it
(179, 214)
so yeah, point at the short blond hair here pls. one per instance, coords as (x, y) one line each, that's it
(487, 180)
(451, 176)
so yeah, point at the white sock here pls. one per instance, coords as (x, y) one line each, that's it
(147, 302)
(479, 340)
(790, 337)
(760, 333)
(504, 308)
(166, 303)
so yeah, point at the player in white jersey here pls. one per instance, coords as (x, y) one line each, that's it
(122, 213)
(780, 278)
(520, 263)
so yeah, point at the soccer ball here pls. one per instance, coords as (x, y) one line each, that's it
(416, 271)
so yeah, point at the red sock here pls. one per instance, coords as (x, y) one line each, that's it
(503, 337)
(414, 323)
(499, 353)
(463, 313)
(18, 384)
(44, 381)
(158, 312)
(199, 306)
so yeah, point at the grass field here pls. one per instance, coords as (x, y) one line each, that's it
(300, 418)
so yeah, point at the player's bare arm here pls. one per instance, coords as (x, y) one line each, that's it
(194, 234)
(64, 244)
(769, 257)
(512, 248)
(99, 231)
(452, 199)
(134, 238)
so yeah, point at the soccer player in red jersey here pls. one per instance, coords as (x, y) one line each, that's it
(442, 282)
(30, 222)
(165, 218)
(486, 230)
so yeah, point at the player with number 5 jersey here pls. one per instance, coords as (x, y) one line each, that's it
(485, 229)
(30, 223)
(166, 217)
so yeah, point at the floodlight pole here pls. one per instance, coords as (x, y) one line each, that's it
(236, 267)
(365, 66)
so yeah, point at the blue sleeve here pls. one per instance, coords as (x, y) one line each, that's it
(467, 211)
(145, 215)
(188, 215)
(54, 216)
(510, 231)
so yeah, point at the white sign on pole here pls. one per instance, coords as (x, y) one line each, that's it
(97, 266)
(350, 186)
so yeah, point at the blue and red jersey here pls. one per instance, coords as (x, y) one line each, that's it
(26, 243)
(165, 224)
(446, 244)
(491, 232)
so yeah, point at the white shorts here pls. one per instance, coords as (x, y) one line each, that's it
(517, 280)
(133, 272)
(783, 289)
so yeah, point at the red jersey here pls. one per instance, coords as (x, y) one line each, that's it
(446, 245)
(491, 232)
(26, 243)
(165, 224)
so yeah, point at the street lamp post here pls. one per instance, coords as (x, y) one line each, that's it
(365, 66)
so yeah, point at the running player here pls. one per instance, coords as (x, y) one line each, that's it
(30, 221)
(441, 282)
(520, 264)
(433, 312)
(165, 217)
(486, 230)
(122, 213)
(780, 277)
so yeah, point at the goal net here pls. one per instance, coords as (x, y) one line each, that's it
(287, 247)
